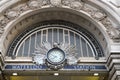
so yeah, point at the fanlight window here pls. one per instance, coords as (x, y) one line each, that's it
(26, 46)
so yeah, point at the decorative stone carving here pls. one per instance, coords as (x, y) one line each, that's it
(95, 13)
(55, 2)
(22, 8)
(38, 59)
(76, 4)
(113, 32)
(45, 2)
(3, 22)
(1, 31)
(40, 52)
(11, 14)
(66, 2)
(34, 4)
(70, 51)
(98, 15)
(87, 8)
(106, 22)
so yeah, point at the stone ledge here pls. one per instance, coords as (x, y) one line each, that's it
(115, 48)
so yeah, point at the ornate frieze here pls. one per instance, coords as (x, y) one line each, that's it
(3, 23)
(96, 14)
(23, 7)
(35, 4)
(114, 33)
(88, 9)
(11, 14)
(66, 2)
(76, 5)
(45, 2)
(55, 2)
(1, 31)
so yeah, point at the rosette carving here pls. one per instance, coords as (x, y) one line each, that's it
(98, 15)
(45, 2)
(66, 2)
(11, 14)
(76, 4)
(33, 4)
(55, 2)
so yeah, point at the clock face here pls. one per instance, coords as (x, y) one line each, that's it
(55, 56)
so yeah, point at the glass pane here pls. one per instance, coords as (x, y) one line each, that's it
(66, 32)
(90, 51)
(66, 36)
(32, 47)
(26, 47)
(55, 35)
(44, 32)
(44, 36)
(84, 49)
(60, 35)
(71, 38)
(66, 39)
(78, 45)
(44, 39)
(20, 51)
(38, 37)
(50, 36)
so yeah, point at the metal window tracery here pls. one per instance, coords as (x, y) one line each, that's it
(26, 44)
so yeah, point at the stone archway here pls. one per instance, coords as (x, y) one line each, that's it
(18, 15)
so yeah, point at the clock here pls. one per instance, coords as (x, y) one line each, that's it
(55, 56)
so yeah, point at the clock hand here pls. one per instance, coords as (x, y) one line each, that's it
(53, 56)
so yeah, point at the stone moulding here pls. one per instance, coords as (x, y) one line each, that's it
(78, 5)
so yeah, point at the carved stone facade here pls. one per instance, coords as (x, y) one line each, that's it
(104, 14)
(78, 5)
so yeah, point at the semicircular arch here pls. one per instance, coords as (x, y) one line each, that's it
(82, 16)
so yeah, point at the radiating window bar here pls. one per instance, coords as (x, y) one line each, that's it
(59, 35)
